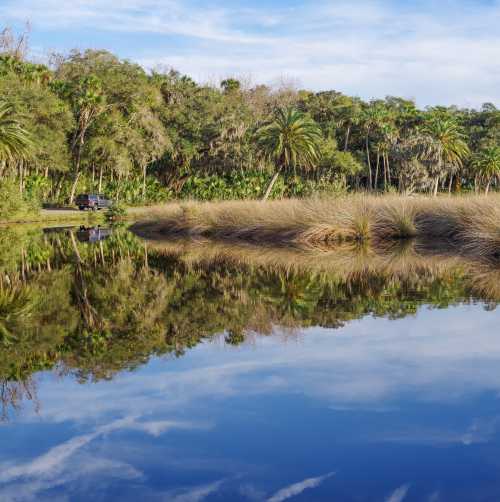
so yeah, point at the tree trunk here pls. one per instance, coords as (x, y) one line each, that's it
(436, 186)
(73, 187)
(450, 183)
(388, 168)
(487, 189)
(20, 177)
(77, 170)
(385, 172)
(375, 184)
(271, 184)
(369, 163)
(347, 134)
(144, 168)
(100, 179)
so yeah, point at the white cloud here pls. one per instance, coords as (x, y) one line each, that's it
(433, 358)
(76, 468)
(298, 488)
(399, 494)
(369, 364)
(67, 462)
(195, 494)
(436, 52)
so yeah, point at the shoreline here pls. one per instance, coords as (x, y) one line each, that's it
(469, 223)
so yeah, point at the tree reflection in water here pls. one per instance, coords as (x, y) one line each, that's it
(91, 309)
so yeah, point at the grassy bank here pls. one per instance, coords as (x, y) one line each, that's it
(68, 215)
(471, 224)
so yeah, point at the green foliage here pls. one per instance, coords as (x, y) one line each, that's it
(13, 204)
(291, 139)
(486, 163)
(15, 141)
(116, 212)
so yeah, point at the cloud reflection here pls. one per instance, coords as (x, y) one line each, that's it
(298, 488)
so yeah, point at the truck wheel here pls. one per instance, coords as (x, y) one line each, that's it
(81, 208)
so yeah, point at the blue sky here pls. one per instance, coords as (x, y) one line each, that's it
(445, 51)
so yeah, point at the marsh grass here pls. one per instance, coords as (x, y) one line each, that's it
(471, 224)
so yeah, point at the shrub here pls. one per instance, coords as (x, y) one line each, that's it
(116, 212)
(13, 204)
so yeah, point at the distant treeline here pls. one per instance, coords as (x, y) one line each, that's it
(92, 121)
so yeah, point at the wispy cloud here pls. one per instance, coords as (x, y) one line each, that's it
(197, 493)
(297, 488)
(399, 494)
(433, 51)
(70, 461)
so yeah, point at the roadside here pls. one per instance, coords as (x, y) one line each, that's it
(54, 215)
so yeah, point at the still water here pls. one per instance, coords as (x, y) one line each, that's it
(134, 370)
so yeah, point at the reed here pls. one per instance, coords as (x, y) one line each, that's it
(471, 224)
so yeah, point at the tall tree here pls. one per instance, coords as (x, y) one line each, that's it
(486, 164)
(447, 147)
(290, 139)
(15, 141)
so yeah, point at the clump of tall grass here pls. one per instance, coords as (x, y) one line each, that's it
(471, 224)
(396, 219)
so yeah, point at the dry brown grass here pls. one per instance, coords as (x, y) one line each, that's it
(470, 223)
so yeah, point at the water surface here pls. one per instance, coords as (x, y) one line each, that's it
(167, 371)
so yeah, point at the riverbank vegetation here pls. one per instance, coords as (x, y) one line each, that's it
(472, 224)
(90, 121)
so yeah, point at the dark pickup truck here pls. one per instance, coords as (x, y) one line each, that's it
(91, 201)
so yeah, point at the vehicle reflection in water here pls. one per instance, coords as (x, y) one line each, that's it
(83, 234)
(93, 234)
(245, 373)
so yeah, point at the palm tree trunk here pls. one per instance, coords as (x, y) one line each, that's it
(347, 134)
(487, 189)
(450, 183)
(388, 169)
(271, 184)
(100, 179)
(369, 162)
(375, 185)
(436, 186)
(385, 172)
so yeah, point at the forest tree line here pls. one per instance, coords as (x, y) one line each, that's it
(90, 121)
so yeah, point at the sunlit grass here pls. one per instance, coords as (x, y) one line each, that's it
(472, 223)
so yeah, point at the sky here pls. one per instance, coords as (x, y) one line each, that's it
(436, 52)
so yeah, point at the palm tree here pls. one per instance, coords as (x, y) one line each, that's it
(486, 163)
(15, 141)
(372, 119)
(291, 139)
(446, 147)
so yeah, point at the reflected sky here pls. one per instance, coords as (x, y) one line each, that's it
(377, 410)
